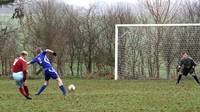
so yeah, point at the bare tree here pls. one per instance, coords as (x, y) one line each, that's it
(119, 14)
(162, 11)
(4, 2)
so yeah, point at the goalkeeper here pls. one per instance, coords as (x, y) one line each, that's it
(185, 66)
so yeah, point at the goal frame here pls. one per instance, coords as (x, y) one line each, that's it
(138, 25)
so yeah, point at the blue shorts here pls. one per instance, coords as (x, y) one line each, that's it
(50, 73)
(18, 77)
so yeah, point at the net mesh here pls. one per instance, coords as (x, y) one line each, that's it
(154, 51)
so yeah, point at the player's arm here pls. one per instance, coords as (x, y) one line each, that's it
(50, 51)
(193, 63)
(180, 63)
(32, 61)
(24, 69)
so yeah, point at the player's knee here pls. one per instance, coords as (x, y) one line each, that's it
(46, 83)
(59, 82)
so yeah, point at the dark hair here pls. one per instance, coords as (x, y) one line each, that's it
(182, 53)
(38, 50)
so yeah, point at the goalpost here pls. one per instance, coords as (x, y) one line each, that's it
(153, 50)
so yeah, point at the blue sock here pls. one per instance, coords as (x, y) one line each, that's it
(62, 88)
(41, 89)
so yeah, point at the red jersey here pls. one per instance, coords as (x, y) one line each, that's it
(20, 65)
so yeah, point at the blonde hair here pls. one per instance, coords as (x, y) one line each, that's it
(23, 53)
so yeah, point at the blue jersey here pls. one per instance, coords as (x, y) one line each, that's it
(42, 60)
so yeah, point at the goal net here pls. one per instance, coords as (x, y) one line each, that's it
(153, 50)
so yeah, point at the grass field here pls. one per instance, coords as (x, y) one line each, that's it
(104, 96)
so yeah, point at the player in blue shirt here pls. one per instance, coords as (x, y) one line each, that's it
(49, 71)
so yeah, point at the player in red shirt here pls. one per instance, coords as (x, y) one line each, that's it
(19, 69)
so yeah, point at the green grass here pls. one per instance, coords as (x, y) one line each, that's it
(104, 96)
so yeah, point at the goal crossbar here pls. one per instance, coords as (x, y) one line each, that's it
(126, 25)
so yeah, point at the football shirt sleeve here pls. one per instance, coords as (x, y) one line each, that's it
(24, 69)
(44, 52)
(33, 60)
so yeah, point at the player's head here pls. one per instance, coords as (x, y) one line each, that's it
(184, 55)
(38, 50)
(23, 53)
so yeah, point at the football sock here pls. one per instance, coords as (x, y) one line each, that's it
(21, 90)
(62, 88)
(41, 89)
(26, 89)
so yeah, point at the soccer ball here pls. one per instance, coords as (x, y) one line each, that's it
(71, 87)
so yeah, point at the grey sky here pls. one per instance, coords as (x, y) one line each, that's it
(85, 3)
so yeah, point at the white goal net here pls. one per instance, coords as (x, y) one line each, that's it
(153, 50)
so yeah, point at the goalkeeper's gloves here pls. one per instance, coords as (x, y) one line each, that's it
(54, 54)
(178, 68)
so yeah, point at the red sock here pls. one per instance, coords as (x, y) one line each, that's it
(26, 89)
(21, 90)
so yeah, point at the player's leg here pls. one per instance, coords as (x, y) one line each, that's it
(54, 75)
(179, 78)
(61, 86)
(192, 72)
(18, 77)
(42, 87)
(22, 90)
(26, 89)
(183, 72)
(196, 78)
(47, 77)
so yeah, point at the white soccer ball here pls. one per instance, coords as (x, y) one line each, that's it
(71, 87)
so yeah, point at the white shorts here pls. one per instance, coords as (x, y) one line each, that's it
(18, 76)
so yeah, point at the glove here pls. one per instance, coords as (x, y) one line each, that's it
(178, 68)
(54, 54)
